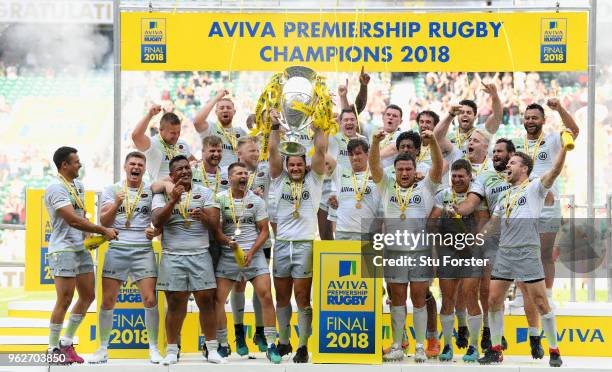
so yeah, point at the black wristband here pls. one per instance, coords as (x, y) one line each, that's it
(275, 126)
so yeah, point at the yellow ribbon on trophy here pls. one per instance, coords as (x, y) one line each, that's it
(322, 114)
(268, 100)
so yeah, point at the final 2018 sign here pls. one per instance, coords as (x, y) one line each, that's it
(347, 304)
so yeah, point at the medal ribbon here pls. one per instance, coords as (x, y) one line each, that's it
(462, 138)
(359, 191)
(233, 209)
(251, 180)
(205, 179)
(169, 151)
(183, 206)
(483, 166)
(405, 201)
(230, 137)
(512, 198)
(536, 147)
(73, 193)
(130, 207)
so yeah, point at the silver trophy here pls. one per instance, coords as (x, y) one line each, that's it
(298, 86)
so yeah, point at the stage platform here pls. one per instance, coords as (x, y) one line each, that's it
(194, 363)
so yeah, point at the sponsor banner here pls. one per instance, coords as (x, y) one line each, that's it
(346, 306)
(38, 234)
(56, 11)
(390, 42)
(585, 336)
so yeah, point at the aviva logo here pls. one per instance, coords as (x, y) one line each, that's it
(566, 334)
(346, 268)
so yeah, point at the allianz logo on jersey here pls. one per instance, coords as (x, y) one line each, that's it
(416, 199)
(288, 197)
(368, 189)
(498, 189)
(583, 335)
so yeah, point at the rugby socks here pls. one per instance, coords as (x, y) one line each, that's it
(496, 318)
(73, 324)
(257, 311)
(270, 333)
(152, 324)
(474, 322)
(212, 345)
(419, 318)
(237, 302)
(448, 326)
(173, 349)
(485, 319)
(533, 331)
(461, 318)
(105, 322)
(549, 325)
(398, 322)
(283, 315)
(304, 325)
(221, 337)
(54, 335)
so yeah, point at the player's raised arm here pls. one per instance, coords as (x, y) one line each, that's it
(567, 119)
(376, 168)
(320, 146)
(494, 120)
(437, 163)
(141, 140)
(275, 159)
(441, 130)
(548, 178)
(199, 122)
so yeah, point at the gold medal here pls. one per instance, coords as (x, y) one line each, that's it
(183, 208)
(296, 214)
(359, 191)
(403, 201)
(234, 215)
(130, 206)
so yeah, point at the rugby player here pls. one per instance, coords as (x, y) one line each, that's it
(70, 263)
(407, 203)
(298, 195)
(162, 147)
(187, 215)
(244, 227)
(126, 207)
(223, 128)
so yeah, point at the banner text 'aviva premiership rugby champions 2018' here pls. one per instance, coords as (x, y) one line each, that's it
(345, 41)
